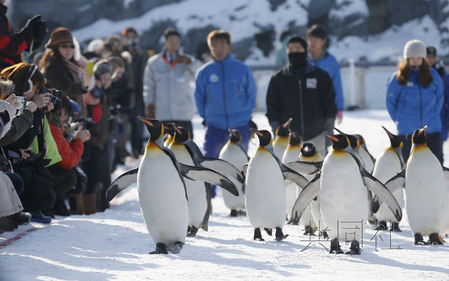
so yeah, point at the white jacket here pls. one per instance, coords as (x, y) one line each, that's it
(169, 87)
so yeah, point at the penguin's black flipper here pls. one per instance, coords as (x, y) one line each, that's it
(207, 175)
(306, 168)
(397, 182)
(382, 192)
(205, 223)
(308, 194)
(293, 176)
(224, 167)
(122, 182)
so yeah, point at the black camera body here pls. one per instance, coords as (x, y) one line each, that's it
(88, 123)
(57, 102)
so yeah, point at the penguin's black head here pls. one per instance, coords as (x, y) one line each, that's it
(352, 139)
(360, 139)
(420, 136)
(308, 149)
(284, 129)
(339, 142)
(181, 134)
(235, 136)
(169, 128)
(264, 136)
(154, 127)
(294, 138)
(395, 141)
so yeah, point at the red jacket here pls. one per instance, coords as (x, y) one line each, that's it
(70, 152)
(11, 45)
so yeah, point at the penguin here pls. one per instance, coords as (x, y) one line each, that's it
(233, 153)
(291, 154)
(169, 130)
(341, 185)
(196, 190)
(366, 157)
(162, 191)
(280, 142)
(389, 163)
(265, 190)
(426, 192)
(310, 154)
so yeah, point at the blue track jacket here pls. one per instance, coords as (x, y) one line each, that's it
(225, 93)
(412, 107)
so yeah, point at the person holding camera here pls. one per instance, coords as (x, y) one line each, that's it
(96, 158)
(38, 194)
(60, 68)
(12, 44)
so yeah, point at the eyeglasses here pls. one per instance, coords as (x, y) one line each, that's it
(65, 46)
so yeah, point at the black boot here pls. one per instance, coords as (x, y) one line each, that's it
(160, 249)
(258, 235)
(279, 235)
(335, 247)
(419, 240)
(434, 239)
(355, 248)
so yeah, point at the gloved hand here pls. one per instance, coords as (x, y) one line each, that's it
(33, 21)
(38, 28)
(339, 116)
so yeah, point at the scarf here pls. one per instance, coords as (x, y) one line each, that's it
(74, 69)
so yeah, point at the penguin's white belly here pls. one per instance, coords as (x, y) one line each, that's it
(196, 190)
(426, 193)
(291, 189)
(234, 155)
(343, 195)
(307, 217)
(366, 159)
(162, 198)
(265, 191)
(386, 167)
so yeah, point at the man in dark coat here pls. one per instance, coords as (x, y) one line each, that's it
(303, 92)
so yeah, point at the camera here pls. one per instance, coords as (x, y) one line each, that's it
(53, 98)
(88, 123)
(96, 92)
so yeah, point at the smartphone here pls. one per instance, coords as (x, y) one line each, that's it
(20, 102)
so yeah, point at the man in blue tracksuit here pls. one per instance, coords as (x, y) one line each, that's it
(225, 95)
(415, 98)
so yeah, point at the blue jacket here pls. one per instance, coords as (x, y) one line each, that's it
(445, 109)
(225, 93)
(329, 63)
(412, 107)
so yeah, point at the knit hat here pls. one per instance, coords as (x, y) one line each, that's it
(414, 48)
(58, 36)
(95, 45)
(297, 39)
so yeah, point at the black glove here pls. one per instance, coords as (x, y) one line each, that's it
(33, 21)
(39, 33)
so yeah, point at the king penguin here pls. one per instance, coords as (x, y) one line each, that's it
(311, 155)
(196, 190)
(162, 192)
(340, 184)
(265, 190)
(291, 154)
(280, 142)
(426, 192)
(233, 153)
(389, 163)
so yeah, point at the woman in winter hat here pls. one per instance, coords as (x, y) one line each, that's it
(415, 97)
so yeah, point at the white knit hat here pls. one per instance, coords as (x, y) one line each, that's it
(414, 48)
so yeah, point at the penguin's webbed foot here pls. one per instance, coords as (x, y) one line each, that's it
(395, 227)
(355, 248)
(308, 230)
(233, 213)
(192, 232)
(419, 240)
(257, 235)
(175, 248)
(280, 235)
(161, 248)
(325, 235)
(269, 231)
(382, 226)
(335, 247)
(434, 239)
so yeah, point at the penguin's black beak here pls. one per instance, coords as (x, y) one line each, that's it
(145, 120)
(330, 136)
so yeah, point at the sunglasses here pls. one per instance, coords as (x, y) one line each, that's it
(66, 46)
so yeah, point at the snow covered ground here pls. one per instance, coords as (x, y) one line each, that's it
(114, 245)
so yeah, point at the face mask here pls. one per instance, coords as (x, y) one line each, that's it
(415, 68)
(297, 60)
